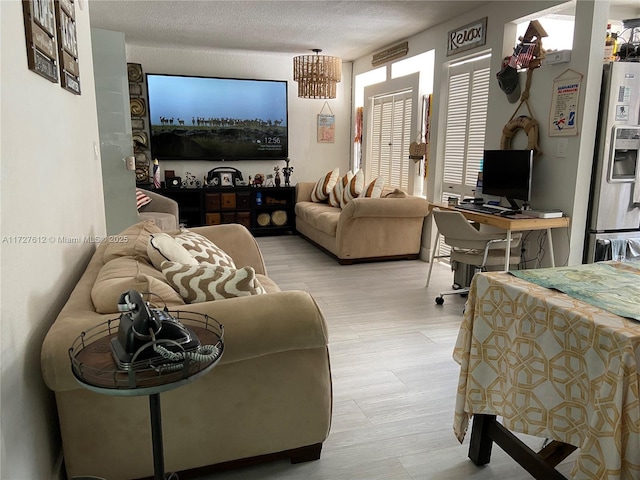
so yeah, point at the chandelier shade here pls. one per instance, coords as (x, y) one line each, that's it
(317, 75)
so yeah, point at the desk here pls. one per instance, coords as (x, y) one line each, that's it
(553, 367)
(516, 223)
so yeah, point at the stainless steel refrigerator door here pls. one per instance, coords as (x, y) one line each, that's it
(613, 246)
(617, 165)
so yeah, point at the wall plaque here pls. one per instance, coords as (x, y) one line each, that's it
(68, 45)
(40, 29)
(467, 37)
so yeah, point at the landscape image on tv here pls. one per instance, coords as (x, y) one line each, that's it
(204, 118)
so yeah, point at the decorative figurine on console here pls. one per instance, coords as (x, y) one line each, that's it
(276, 178)
(286, 171)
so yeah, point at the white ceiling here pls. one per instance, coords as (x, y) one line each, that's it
(348, 29)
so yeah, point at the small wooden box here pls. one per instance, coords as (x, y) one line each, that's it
(213, 219)
(228, 200)
(243, 200)
(229, 217)
(212, 202)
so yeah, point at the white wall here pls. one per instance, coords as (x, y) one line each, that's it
(51, 187)
(558, 182)
(309, 159)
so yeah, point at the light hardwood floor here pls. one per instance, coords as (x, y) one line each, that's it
(394, 378)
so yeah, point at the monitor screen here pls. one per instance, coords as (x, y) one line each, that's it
(208, 118)
(507, 173)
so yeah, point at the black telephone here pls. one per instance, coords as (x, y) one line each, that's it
(224, 177)
(149, 337)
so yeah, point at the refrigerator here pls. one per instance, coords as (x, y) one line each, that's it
(613, 222)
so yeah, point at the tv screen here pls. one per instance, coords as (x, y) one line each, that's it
(207, 118)
(507, 173)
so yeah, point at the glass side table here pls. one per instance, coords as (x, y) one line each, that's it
(95, 368)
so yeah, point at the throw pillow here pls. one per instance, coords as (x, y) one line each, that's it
(141, 199)
(203, 283)
(131, 242)
(374, 189)
(163, 246)
(397, 193)
(354, 188)
(335, 197)
(324, 186)
(204, 250)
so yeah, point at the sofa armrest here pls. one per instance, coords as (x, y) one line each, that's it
(260, 325)
(160, 203)
(237, 241)
(385, 207)
(303, 191)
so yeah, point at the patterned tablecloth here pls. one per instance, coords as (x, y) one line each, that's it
(554, 367)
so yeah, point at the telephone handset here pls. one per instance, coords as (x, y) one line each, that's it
(151, 337)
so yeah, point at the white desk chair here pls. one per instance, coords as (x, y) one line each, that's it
(469, 246)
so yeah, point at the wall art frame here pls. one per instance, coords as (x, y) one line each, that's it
(468, 36)
(68, 46)
(40, 36)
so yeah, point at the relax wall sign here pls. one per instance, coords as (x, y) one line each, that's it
(470, 36)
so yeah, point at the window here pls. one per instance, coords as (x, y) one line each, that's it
(390, 139)
(466, 120)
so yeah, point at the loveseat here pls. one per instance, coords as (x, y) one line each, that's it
(366, 229)
(269, 395)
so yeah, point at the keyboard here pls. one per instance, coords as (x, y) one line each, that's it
(490, 209)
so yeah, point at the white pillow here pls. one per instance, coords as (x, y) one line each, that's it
(324, 186)
(354, 188)
(204, 250)
(203, 283)
(335, 197)
(163, 247)
(374, 189)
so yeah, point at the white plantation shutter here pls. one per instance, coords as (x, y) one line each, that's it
(391, 137)
(466, 120)
(467, 105)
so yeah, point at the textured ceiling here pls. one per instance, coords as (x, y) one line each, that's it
(347, 29)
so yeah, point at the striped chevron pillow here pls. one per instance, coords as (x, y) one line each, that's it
(335, 197)
(353, 188)
(202, 283)
(141, 198)
(204, 250)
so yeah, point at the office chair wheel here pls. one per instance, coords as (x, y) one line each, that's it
(439, 300)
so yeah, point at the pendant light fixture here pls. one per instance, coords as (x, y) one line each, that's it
(317, 75)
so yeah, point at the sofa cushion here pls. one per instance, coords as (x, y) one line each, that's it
(335, 197)
(126, 273)
(130, 242)
(320, 216)
(202, 283)
(374, 189)
(162, 247)
(354, 188)
(324, 185)
(204, 250)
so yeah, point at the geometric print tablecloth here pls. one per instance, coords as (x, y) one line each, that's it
(554, 367)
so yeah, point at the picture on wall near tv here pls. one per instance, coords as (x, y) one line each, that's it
(206, 118)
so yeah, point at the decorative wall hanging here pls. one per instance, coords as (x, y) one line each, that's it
(68, 46)
(317, 75)
(326, 126)
(40, 34)
(564, 104)
(138, 107)
(427, 105)
(391, 53)
(467, 37)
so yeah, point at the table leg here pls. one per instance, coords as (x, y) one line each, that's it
(550, 243)
(156, 436)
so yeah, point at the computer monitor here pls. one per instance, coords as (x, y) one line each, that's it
(507, 173)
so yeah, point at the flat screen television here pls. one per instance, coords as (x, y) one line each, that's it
(210, 118)
(507, 173)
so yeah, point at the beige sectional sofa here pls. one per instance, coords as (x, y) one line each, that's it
(270, 394)
(366, 229)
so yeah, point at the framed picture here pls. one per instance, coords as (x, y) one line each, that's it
(68, 46)
(326, 128)
(226, 180)
(40, 35)
(467, 37)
